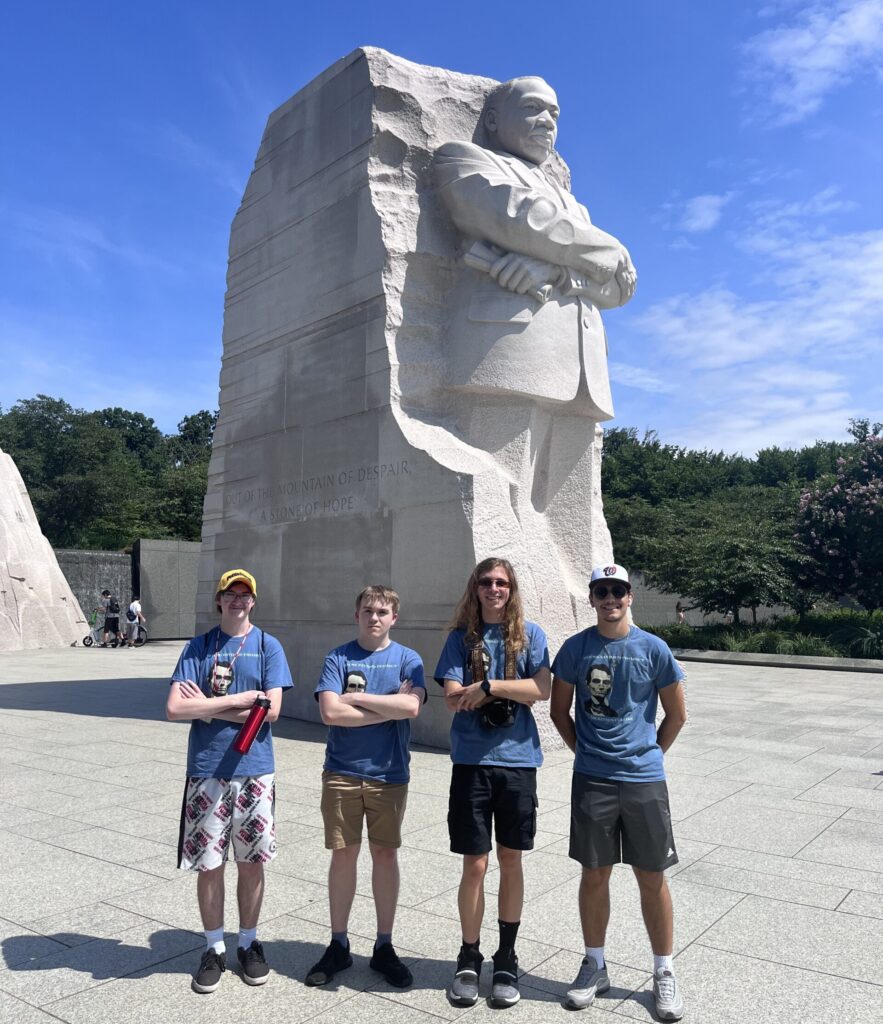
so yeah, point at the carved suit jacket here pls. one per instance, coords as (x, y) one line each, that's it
(504, 343)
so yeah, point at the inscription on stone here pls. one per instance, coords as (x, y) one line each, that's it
(331, 493)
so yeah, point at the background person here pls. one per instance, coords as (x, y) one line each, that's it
(134, 619)
(109, 607)
(229, 798)
(494, 665)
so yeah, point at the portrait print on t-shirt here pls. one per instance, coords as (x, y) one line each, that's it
(222, 679)
(355, 682)
(599, 680)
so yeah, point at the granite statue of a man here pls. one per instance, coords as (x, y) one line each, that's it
(526, 318)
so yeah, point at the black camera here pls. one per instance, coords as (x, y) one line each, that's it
(498, 714)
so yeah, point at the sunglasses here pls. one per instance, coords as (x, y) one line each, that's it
(487, 582)
(617, 590)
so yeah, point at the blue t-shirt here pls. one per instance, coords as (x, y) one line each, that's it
(472, 742)
(616, 683)
(380, 752)
(261, 665)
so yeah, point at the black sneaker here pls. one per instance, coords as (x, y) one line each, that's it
(386, 961)
(504, 990)
(464, 987)
(254, 967)
(335, 958)
(211, 967)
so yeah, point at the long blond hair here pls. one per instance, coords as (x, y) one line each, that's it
(467, 615)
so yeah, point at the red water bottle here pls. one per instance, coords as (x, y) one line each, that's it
(250, 726)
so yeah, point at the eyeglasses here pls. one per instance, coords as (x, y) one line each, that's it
(487, 582)
(617, 590)
(231, 595)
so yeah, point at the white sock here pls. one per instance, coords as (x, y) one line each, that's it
(662, 961)
(247, 937)
(214, 939)
(597, 952)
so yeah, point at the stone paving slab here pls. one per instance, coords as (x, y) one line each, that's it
(775, 787)
(810, 938)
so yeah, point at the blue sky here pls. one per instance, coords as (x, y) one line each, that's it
(735, 148)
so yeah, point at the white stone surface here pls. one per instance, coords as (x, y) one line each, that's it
(37, 607)
(348, 448)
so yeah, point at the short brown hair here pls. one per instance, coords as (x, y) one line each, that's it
(383, 595)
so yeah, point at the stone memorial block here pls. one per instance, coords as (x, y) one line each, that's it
(37, 607)
(414, 364)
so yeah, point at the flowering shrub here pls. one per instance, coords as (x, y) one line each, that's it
(840, 523)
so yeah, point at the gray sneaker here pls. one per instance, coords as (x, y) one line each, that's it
(591, 981)
(464, 987)
(669, 1005)
(504, 988)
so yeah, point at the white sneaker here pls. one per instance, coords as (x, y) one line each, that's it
(592, 980)
(669, 1005)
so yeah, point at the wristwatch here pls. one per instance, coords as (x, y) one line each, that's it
(486, 688)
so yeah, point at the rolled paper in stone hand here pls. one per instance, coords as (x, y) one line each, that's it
(481, 256)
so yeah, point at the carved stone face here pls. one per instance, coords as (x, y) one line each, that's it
(599, 682)
(526, 123)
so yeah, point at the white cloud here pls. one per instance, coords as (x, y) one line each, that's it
(169, 142)
(61, 237)
(702, 213)
(791, 355)
(639, 377)
(78, 358)
(794, 67)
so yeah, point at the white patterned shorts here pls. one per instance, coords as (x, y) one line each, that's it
(218, 811)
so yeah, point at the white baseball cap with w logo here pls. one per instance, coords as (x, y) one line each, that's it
(610, 572)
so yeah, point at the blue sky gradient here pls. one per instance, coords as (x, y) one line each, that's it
(736, 149)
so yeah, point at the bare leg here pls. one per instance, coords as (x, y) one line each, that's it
(470, 898)
(385, 885)
(342, 885)
(511, 895)
(210, 896)
(249, 893)
(594, 904)
(657, 910)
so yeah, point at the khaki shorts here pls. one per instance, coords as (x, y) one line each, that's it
(346, 800)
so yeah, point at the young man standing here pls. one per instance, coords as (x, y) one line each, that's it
(494, 666)
(369, 691)
(229, 797)
(619, 801)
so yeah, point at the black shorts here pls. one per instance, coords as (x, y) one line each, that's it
(112, 624)
(481, 792)
(613, 822)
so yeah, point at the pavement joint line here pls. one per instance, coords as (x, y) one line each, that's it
(793, 967)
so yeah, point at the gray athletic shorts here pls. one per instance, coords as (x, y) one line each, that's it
(627, 822)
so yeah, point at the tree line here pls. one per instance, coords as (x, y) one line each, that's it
(100, 480)
(787, 527)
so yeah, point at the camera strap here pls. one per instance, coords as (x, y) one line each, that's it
(476, 658)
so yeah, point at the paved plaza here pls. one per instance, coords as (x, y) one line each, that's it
(777, 795)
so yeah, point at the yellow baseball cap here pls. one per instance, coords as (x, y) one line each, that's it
(232, 576)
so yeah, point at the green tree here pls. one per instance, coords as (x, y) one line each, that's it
(727, 553)
(103, 479)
